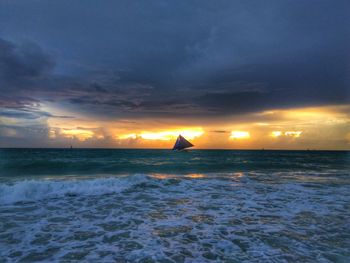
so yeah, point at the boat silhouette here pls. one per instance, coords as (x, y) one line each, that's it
(181, 144)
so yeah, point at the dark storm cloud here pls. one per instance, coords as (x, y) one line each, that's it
(165, 58)
(29, 114)
(27, 61)
(22, 69)
(311, 80)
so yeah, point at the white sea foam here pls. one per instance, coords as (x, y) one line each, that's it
(174, 218)
(33, 190)
(39, 189)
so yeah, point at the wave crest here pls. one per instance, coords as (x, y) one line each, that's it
(33, 190)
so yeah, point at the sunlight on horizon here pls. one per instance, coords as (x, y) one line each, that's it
(276, 133)
(127, 136)
(171, 135)
(80, 134)
(240, 135)
(295, 134)
(274, 129)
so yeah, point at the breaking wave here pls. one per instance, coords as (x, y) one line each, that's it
(33, 190)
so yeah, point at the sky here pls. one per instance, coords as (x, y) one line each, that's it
(135, 74)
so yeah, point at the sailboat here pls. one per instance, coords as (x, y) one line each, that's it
(181, 144)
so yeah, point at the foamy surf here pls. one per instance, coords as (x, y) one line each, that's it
(193, 207)
(35, 190)
(186, 218)
(46, 188)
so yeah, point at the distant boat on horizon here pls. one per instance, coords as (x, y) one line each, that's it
(181, 144)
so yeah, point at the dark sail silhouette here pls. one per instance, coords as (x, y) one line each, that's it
(181, 143)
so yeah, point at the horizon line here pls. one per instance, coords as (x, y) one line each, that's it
(195, 149)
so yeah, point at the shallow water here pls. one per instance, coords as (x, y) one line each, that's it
(233, 206)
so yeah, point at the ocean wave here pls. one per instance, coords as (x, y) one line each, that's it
(33, 190)
(57, 162)
(54, 187)
(252, 217)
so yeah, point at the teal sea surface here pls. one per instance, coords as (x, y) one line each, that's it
(121, 205)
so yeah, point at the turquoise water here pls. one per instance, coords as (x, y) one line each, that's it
(163, 206)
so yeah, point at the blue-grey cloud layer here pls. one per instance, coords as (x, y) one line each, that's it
(173, 58)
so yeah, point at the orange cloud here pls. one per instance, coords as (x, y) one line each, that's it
(80, 134)
(295, 134)
(240, 135)
(315, 128)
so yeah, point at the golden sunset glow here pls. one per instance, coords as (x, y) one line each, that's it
(302, 128)
(240, 135)
(293, 133)
(171, 135)
(118, 93)
(276, 133)
(127, 136)
(80, 134)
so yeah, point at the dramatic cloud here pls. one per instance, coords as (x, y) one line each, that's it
(197, 61)
(22, 63)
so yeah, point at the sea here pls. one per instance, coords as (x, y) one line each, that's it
(133, 205)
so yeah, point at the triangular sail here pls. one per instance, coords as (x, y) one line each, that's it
(181, 143)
